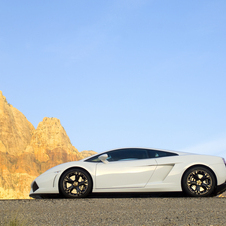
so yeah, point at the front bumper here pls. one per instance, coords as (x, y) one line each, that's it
(220, 189)
(45, 184)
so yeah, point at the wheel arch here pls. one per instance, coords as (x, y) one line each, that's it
(198, 165)
(74, 167)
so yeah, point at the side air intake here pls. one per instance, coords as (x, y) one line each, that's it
(35, 187)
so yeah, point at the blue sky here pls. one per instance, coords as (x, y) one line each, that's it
(119, 73)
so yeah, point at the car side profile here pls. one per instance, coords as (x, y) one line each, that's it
(133, 170)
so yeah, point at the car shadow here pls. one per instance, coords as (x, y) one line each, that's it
(137, 195)
(219, 190)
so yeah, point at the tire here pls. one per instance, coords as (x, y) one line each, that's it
(198, 182)
(75, 183)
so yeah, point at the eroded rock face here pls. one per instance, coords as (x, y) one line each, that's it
(86, 154)
(15, 129)
(51, 145)
(26, 152)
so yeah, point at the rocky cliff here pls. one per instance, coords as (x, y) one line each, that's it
(26, 152)
(15, 129)
(51, 145)
(86, 154)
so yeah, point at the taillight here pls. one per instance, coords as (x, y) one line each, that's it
(224, 162)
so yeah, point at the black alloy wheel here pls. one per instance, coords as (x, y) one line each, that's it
(75, 183)
(198, 182)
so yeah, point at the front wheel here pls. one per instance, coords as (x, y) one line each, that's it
(198, 182)
(75, 183)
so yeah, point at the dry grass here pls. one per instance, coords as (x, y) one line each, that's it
(16, 220)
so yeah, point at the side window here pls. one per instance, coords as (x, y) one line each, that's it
(127, 154)
(122, 155)
(159, 154)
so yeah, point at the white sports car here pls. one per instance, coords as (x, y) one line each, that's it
(133, 170)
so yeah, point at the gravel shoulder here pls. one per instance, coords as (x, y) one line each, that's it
(116, 211)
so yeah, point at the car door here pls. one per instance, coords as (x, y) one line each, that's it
(126, 168)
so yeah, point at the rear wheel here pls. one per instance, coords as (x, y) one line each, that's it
(198, 182)
(75, 183)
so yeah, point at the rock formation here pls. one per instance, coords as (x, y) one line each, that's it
(15, 129)
(86, 154)
(51, 145)
(26, 152)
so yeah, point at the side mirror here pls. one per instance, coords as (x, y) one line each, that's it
(103, 158)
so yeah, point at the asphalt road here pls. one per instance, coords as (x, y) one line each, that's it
(113, 210)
